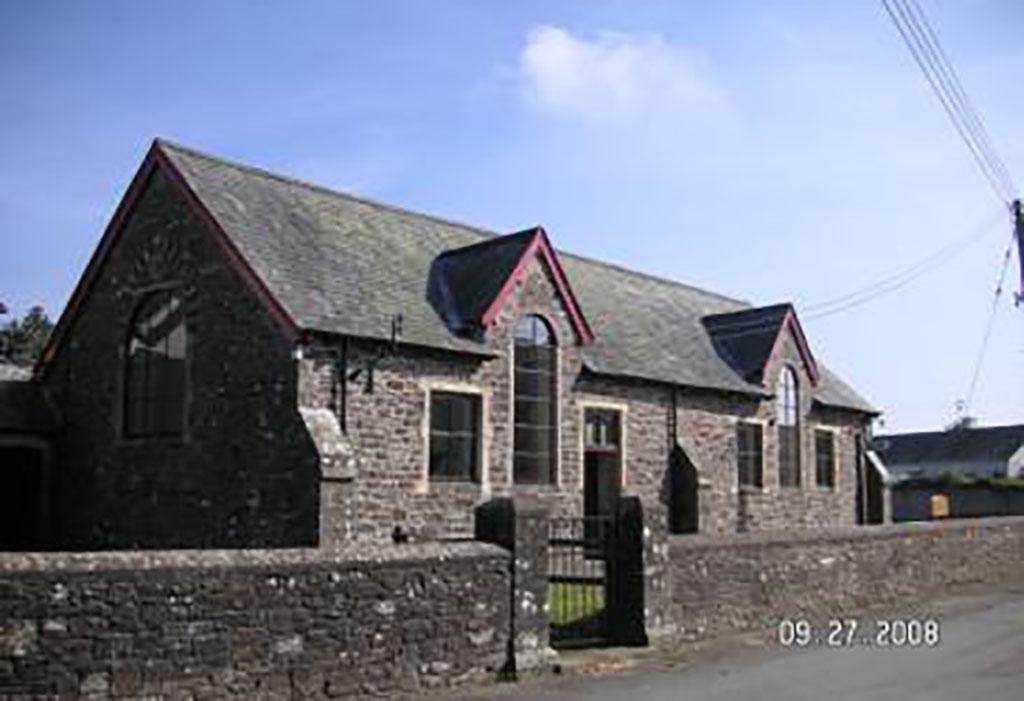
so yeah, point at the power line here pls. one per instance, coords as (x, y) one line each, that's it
(924, 45)
(937, 59)
(738, 329)
(903, 25)
(897, 280)
(988, 329)
(961, 94)
(938, 74)
(951, 93)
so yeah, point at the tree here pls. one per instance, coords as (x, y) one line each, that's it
(22, 340)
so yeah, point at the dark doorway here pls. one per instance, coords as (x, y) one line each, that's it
(602, 467)
(683, 506)
(21, 498)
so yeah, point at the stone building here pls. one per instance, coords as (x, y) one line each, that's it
(251, 360)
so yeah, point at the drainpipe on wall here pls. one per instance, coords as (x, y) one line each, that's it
(675, 418)
(341, 377)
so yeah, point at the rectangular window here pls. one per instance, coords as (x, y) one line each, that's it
(789, 456)
(749, 454)
(601, 429)
(825, 460)
(454, 437)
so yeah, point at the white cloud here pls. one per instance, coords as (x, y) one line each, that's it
(614, 76)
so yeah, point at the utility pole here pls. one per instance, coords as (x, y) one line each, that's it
(1018, 231)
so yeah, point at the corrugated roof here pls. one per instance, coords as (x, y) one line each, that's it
(344, 264)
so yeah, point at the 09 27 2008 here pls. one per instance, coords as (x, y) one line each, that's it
(854, 632)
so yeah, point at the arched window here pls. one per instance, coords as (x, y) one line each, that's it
(787, 414)
(536, 375)
(154, 399)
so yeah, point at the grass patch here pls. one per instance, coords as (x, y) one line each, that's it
(569, 603)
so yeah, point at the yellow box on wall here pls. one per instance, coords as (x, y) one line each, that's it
(940, 506)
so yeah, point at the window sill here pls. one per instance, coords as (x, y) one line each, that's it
(751, 489)
(536, 488)
(453, 486)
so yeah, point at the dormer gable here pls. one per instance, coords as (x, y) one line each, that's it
(469, 286)
(747, 339)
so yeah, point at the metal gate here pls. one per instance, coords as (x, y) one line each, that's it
(579, 552)
(596, 578)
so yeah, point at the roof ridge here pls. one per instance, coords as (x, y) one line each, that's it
(763, 308)
(950, 431)
(490, 241)
(263, 172)
(479, 230)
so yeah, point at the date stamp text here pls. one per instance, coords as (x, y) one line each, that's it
(853, 632)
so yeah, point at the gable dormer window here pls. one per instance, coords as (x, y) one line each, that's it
(787, 412)
(535, 357)
(154, 397)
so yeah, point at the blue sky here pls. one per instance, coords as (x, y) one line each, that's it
(766, 150)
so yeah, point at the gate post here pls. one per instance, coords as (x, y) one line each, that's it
(625, 616)
(521, 527)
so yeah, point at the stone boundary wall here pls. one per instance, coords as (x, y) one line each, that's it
(255, 624)
(722, 583)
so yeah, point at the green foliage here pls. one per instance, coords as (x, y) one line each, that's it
(1006, 482)
(22, 340)
(569, 603)
(960, 479)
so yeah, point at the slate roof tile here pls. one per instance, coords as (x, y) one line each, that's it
(343, 264)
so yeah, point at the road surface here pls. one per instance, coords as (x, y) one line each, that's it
(980, 657)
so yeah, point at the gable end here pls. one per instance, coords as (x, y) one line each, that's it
(156, 160)
(540, 247)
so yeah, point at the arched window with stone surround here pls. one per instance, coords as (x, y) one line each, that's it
(154, 390)
(787, 415)
(536, 407)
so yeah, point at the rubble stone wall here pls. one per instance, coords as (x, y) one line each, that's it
(252, 624)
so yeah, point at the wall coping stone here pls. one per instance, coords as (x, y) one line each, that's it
(876, 532)
(354, 554)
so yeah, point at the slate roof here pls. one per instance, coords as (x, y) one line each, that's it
(466, 280)
(745, 338)
(343, 264)
(985, 444)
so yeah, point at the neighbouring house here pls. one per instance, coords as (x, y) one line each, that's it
(252, 360)
(988, 451)
(956, 473)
